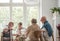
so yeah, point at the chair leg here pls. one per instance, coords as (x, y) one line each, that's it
(41, 38)
(53, 37)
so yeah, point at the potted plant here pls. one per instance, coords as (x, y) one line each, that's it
(56, 13)
(55, 9)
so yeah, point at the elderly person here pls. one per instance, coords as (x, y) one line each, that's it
(5, 35)
(19, 28)
(33, 31)
(47, 29)
(10, 25)
(19, 32)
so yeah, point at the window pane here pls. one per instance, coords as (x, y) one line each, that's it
(31, 1)
(17, 15)
(17, 1)
(32, 12)
(4, 1)
(4, 17)
(4, 13)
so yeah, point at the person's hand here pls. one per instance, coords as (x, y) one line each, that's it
(42, 30)
(18, 34)
(25, 36)
(8, 38)
(5, 38)
(10, 28)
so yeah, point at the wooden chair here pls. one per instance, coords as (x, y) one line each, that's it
(1, 37)
(53, 37)
(38, 35)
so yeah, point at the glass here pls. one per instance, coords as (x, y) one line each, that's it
(31, 1)
(17, 15)
(4, 17)
(4, 1)
(17, 1)
(32, 12)
(4, 13)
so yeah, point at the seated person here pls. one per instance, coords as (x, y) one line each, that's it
(20, 35)
(37, 35)
(10, 25)
(17, 38)
(5, 35)
(34, 28)
(19, 28)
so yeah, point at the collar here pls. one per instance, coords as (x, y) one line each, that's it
(45, 22)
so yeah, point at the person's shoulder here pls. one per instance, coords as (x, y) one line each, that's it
(37, 24)
(30, 26)
(3, 33)
(46, 23)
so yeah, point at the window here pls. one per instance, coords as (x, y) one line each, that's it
(4, 13)
(31, 1)
(17, 1)
(4, 16)
(4, 1)
(17, 15)
(32, 12)
(18, 11)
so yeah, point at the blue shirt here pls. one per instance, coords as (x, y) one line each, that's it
(48, 27)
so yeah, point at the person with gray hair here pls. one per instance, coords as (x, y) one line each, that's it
(47, 27)
(33, 31)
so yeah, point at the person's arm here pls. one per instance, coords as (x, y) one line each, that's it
(49, 29)
(42, 27)
(2, 37)
(27, 31)
(14, 34)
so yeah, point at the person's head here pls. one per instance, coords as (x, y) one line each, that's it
(33, 21)
(11, 24)
(43, 19)
(20, 25)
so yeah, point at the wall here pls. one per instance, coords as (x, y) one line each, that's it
(58, 18)
(46, 5)
(59, 3)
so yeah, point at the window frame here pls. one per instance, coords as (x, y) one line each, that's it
(11, 4)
